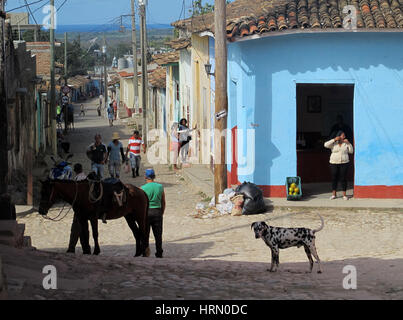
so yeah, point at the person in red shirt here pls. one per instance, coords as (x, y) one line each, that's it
(115, 108)
(133, 149)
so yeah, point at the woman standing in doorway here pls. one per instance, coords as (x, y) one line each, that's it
(339, 162)
(184, 139)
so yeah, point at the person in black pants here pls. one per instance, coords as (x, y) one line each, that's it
(339, 162)
(156, 197)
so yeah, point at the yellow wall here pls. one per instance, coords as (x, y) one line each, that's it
(129, 98)
(201, 92)
(127, 92)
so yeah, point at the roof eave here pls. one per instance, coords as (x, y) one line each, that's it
(312, 31)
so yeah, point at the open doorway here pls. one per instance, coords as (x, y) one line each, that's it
(319, 108)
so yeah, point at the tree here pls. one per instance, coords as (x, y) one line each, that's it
(199, 9)
(79, 60)
(28, 36)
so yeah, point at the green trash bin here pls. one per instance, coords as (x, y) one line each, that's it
(288, 182)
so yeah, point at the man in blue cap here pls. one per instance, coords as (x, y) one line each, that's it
(156, 196)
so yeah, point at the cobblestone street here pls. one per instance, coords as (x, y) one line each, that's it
(206, 258)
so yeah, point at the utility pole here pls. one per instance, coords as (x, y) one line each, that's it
(3, 104)
(134, 46)
(105, 76)
(65, 58)
(221, 100)
(143, 36)
(66, 120)
(52, 79)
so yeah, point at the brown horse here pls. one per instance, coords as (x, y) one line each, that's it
(76, 194)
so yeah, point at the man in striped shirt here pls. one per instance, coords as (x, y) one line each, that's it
(133, 149)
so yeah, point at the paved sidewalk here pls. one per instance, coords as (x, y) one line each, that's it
(202, 180)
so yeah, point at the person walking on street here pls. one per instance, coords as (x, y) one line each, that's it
(339, 161)
(110, 114)
(97, 153)
(156, 196)
(59, 116)
(115, 152)
(115, 108)
(133, 149)
(82, 111)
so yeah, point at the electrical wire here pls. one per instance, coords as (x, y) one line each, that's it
(29, 9)
(64, 2)
(33, 11)
(25, 5)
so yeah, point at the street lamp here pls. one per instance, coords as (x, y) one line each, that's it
(207, 66)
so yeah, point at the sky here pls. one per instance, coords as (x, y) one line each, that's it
(106, 11)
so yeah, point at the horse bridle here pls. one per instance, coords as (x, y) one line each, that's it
(60, 213)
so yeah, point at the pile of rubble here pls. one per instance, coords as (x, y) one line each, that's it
(229, 203)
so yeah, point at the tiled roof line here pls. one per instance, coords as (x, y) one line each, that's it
(278, 15)
(311, 31)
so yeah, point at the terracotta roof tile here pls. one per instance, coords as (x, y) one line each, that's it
(245, 17)
(166, 58)
(125, 74)
(157, 77)
(178, 44)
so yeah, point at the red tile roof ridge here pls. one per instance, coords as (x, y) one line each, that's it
(245, 17)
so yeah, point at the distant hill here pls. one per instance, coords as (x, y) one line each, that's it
(103, 27)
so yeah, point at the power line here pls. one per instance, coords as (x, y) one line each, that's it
(29, 9)
(25, 5)
(33, 11)
(61, 5)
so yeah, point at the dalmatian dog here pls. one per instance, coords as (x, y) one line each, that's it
(281, 238)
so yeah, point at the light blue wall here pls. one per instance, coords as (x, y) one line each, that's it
(265, 73)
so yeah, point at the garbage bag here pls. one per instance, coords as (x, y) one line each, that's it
(254, 202)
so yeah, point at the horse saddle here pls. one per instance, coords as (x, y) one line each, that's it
(115, 187)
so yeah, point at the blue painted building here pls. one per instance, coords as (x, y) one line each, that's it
(294, 67)
(266, 78)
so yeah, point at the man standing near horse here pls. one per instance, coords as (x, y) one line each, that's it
(133, 149)
(156, 196)
(97, 153)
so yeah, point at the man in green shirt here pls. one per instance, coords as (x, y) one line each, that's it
(156, 197)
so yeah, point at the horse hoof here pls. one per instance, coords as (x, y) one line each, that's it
(71, 251)
(96, 252)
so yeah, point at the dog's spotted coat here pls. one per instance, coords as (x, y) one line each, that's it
(280, 238)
